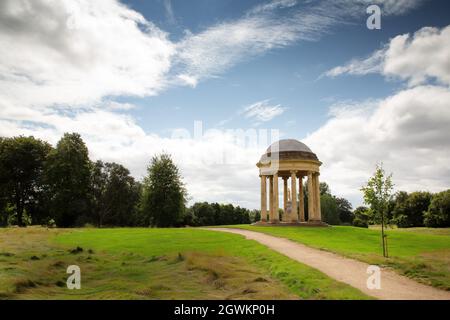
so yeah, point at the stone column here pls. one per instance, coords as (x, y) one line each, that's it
(294, 214)
(270, 198)
(318, 213)
(301, 200)
(285, 198)
(276, 205)
(311, 192)
(263, 199)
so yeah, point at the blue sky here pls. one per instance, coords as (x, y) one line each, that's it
(288, 76)
(128, 75)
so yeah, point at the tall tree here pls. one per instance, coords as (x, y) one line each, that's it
(114, 194)
(22, 161)
(400, 208)
(204, 214)
(324, 188)
(361, 217)
(99, 185)
(378, 194)
(164, 196)
(3, 193)
(255, 215)
(438, 214)
(330, 209)
(345, 210)
(409, 209)
(68, 175)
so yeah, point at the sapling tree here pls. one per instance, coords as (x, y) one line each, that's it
(377, 194)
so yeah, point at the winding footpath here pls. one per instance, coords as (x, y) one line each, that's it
(349, 271)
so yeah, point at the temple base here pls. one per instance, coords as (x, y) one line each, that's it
(291, 224)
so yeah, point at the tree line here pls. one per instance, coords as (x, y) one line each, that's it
(215, 214)
(61, 186)
(405, 210)
(408, 210)
(40, 184)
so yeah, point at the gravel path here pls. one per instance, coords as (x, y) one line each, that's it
(352, 272)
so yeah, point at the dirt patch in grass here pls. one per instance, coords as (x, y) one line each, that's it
(432, 268)
(6, 254)
(157, 258)
(76, 250)
(24, 284)
(221, 272)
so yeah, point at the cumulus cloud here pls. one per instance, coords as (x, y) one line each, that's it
(420, 57)
(408, 132)
(77, 52)
(415, 58)
(203, 157)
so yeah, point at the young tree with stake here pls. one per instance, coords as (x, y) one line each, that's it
(377, 194)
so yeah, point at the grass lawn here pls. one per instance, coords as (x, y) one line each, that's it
(154, 264)
(420, 253)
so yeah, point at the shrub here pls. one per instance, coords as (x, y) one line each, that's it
(361, 217)
(361, 223)
(49, 223)
(345, 210)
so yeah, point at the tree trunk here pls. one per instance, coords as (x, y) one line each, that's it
(99, 221)
(19, 208)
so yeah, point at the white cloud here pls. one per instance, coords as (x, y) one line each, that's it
(222, 46)
(186, 79)
(418, 58)
(76, 52)
(408, 132)
(394, 7)
(371, 64)
(169, 11)
(214, 166)
(114, 105)
(262, 111)
(388, 7)
(274, 4)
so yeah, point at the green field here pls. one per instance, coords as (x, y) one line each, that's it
(154, 264)
(420, 253)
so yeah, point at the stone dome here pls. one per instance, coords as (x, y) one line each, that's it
(288, 149)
